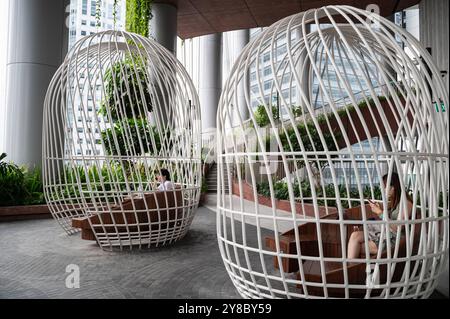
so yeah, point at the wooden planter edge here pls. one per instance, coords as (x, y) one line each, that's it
(8, 213)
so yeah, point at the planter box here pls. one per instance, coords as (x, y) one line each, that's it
(9, 213)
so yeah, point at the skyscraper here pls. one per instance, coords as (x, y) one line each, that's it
(84, 20)
(88, 17)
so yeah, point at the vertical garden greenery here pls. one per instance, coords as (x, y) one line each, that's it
(132, 112)
(98, 13)
(115, 13)
(138, 16)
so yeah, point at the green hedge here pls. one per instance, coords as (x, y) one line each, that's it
(281, 192)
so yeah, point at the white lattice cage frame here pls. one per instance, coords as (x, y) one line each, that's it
(118, 110)
(261, 238)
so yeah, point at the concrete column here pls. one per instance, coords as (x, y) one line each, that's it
(434, 34)
(36, 48)
(242, 37)
(210, 86)
(163, 25)
(163, 28)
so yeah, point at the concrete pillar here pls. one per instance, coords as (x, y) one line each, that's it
(36, 47)
(210, 86)
(434, 34)
(163, 28)
(242, 37)
(163, 25)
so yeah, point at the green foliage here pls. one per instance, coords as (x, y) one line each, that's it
(261, 116)
(19, 185)
(137, 128)
(118, 83)
(33, 187)
(94, 180)
(309, 137)
(281, 190)
(263, 189)
(12, 190)
(325, 195)
(98, 13)
(129, 117)
(297, 111)
(115, 13)
(138, 16)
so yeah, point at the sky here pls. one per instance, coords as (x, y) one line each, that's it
(3, 39)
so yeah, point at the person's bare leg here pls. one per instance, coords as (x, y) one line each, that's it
(354, 244)
(373, 249)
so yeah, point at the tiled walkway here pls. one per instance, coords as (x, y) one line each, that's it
(34, 255)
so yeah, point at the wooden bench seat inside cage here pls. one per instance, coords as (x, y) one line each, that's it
(332, 247)
(155, 212)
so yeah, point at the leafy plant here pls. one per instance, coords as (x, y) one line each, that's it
(98, 13)
(34, 190)
(12, 189)
(261, 116)
(297, 111)
(131, 131)
(19, 185)
(325, 196)
(127, 82)
(121, 79)
(115, 13)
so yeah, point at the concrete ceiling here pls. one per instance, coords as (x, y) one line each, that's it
(200, 17)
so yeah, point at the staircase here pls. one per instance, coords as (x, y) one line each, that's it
(211, 179)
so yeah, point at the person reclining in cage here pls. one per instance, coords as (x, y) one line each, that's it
(356, 245)
(165, 183)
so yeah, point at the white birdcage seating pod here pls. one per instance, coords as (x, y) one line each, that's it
(120, 109)
(336, 158)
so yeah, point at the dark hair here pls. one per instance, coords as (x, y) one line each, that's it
(165, 173)
(395, 183)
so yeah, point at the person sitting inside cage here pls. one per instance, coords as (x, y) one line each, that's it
(165, 183)
(356, 245)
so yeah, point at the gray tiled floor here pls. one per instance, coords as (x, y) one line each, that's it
(34, 255)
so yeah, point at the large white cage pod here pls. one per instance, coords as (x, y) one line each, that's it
(119, 109)
(324, 112)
